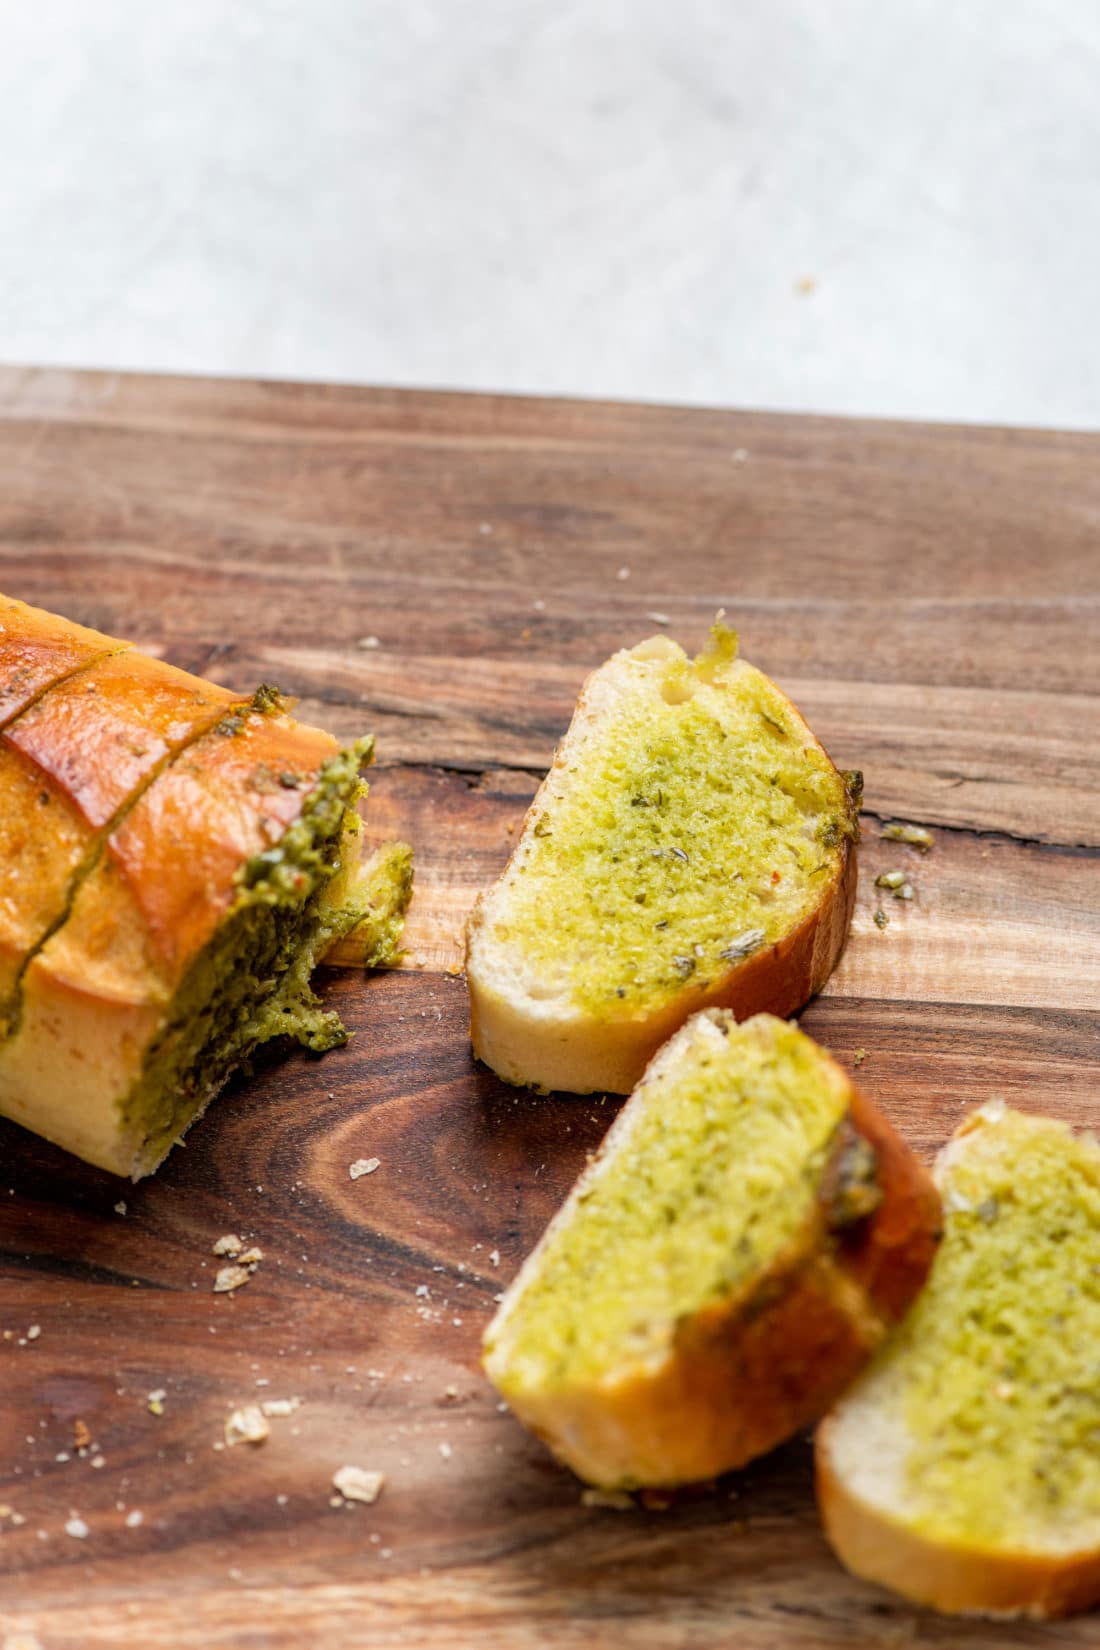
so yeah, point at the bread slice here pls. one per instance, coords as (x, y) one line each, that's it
(728, 1261)
(383, 889)
(192, 941)
(691, 846)
(38, 649)
(963, 1468)
(70, 765)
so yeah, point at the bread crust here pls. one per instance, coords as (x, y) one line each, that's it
(180, 849)
(68, 766)
(956, 1579)
(100, 734)
(746, 1372)
(38, 649)
(548, 1045)
(42, 841)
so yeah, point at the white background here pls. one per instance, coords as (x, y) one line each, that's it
(874, 206)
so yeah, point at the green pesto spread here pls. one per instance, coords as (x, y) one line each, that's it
(251, 982)
(383, 890)
(716, 1178)
(997, 1362)
(697, 825)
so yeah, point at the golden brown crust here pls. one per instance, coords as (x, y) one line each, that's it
(225, 799)
(72, 760)
(101, 733)
(42, 842)
(890, 1254)
(38, 649)
(958, 1580)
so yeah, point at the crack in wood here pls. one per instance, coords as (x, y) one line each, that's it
(1071, 850)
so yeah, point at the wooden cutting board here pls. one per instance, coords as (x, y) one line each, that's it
(930, 598)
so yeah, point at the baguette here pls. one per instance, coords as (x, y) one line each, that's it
(963, 1468)
(692, 846)
(204, 854)
(736, 1251)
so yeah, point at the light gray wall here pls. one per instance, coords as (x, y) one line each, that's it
(839, 205)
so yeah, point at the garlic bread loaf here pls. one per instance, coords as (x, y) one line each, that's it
(962, 1469)
(692, 846)
(729, 1260)
(205, 856)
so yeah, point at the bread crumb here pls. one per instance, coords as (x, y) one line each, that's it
(890, 879)
(623, 573)
(229, 1278)
(859, 1056)
(616, 1499)
(133, 1519)
(356, 1484)
(445, 1450)
(280, 1406)
(155, 1401)
(34, 1331)
(368, 643)
(120, 1207)
(915, 835)
(364, 1165)
(248, 1425)
(658, 618)
(76, 1527)
(230, 1245)
(740, 455)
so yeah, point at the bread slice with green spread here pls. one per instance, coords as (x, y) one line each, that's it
(692, 846)
(729, 1260)
(963, 1468)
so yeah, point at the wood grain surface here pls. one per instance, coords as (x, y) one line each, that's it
(930, 598)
